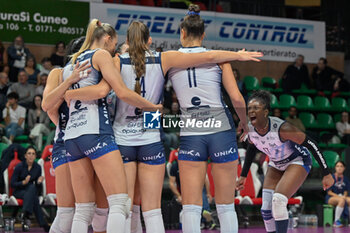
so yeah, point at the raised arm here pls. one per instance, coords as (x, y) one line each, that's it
(230, 84)
(54, 89)
(183, 60)
(292, 133)
(103, 61)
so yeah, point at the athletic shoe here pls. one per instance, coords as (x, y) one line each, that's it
(337, 224)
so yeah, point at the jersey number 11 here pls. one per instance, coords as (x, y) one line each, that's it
(190, 78)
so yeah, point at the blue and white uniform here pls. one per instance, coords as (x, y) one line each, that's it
(208, 130)
(281, 153)
(89, 132)
(135, 142)
(59, 150)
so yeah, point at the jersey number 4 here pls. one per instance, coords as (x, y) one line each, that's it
(192, 78)
(143, 88)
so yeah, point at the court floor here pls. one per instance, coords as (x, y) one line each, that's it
(248, 230)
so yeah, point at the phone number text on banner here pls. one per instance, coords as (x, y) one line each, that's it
(43, 21)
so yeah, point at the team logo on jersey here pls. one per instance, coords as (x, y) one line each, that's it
(196, 101)
(151, 120)
(275, 125)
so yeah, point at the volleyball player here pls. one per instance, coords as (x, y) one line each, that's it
(198, 89)
(58, 113)
(289, 150)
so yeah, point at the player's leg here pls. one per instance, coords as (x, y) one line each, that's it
(271, 179)
(99, 221)
(136, 226)
(293, 177)
(151, 169)
(224, 156)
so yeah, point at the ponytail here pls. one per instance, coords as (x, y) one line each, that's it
(137, 36)
(95, 31)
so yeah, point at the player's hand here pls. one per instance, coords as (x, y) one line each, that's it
(80, 72)
(327, 182)
(249, 56)
(210, 198)
(240, 183)
(242, 126)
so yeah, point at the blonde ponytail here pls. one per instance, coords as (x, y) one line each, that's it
(95, 31)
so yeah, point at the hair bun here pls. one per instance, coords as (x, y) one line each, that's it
(193, 9)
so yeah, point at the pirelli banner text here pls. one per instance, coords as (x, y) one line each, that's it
(278, 38)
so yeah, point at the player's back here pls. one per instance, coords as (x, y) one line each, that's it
(128, 123)
(198, 90)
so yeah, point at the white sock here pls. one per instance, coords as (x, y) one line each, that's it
(191, 218)
(136, 226)
(227, 217)
(118, 211)
(63, 220)
(83, 215)
(338, 212)
(154, 221)
(266, 210)
(128, 223)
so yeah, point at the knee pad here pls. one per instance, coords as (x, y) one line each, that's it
(84, 212)
(192, 208)
(99, 221)
(119, 203)
(63, 220)
(279, 206)
(221, 208)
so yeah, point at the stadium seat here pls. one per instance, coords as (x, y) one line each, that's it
(7, 180)
(147, 3)
(339, 104)
(22, 138)
(3, 146)
(268, 83)
(274, 101)
(251, 83)
(304, 90)
(331, 158)
(172, 157)
(219, 8)
(304, 102)
(49, 188)
(286, 101)
(322, 103)
(337, 117)
(325, 121)
(308, 119)
(285, 114)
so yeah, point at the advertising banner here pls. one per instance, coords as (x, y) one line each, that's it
(279, 39)
(43, 21)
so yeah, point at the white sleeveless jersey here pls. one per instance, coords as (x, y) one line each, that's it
(198, 90)
(128, 122)
(87, 117)
(271, 143)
